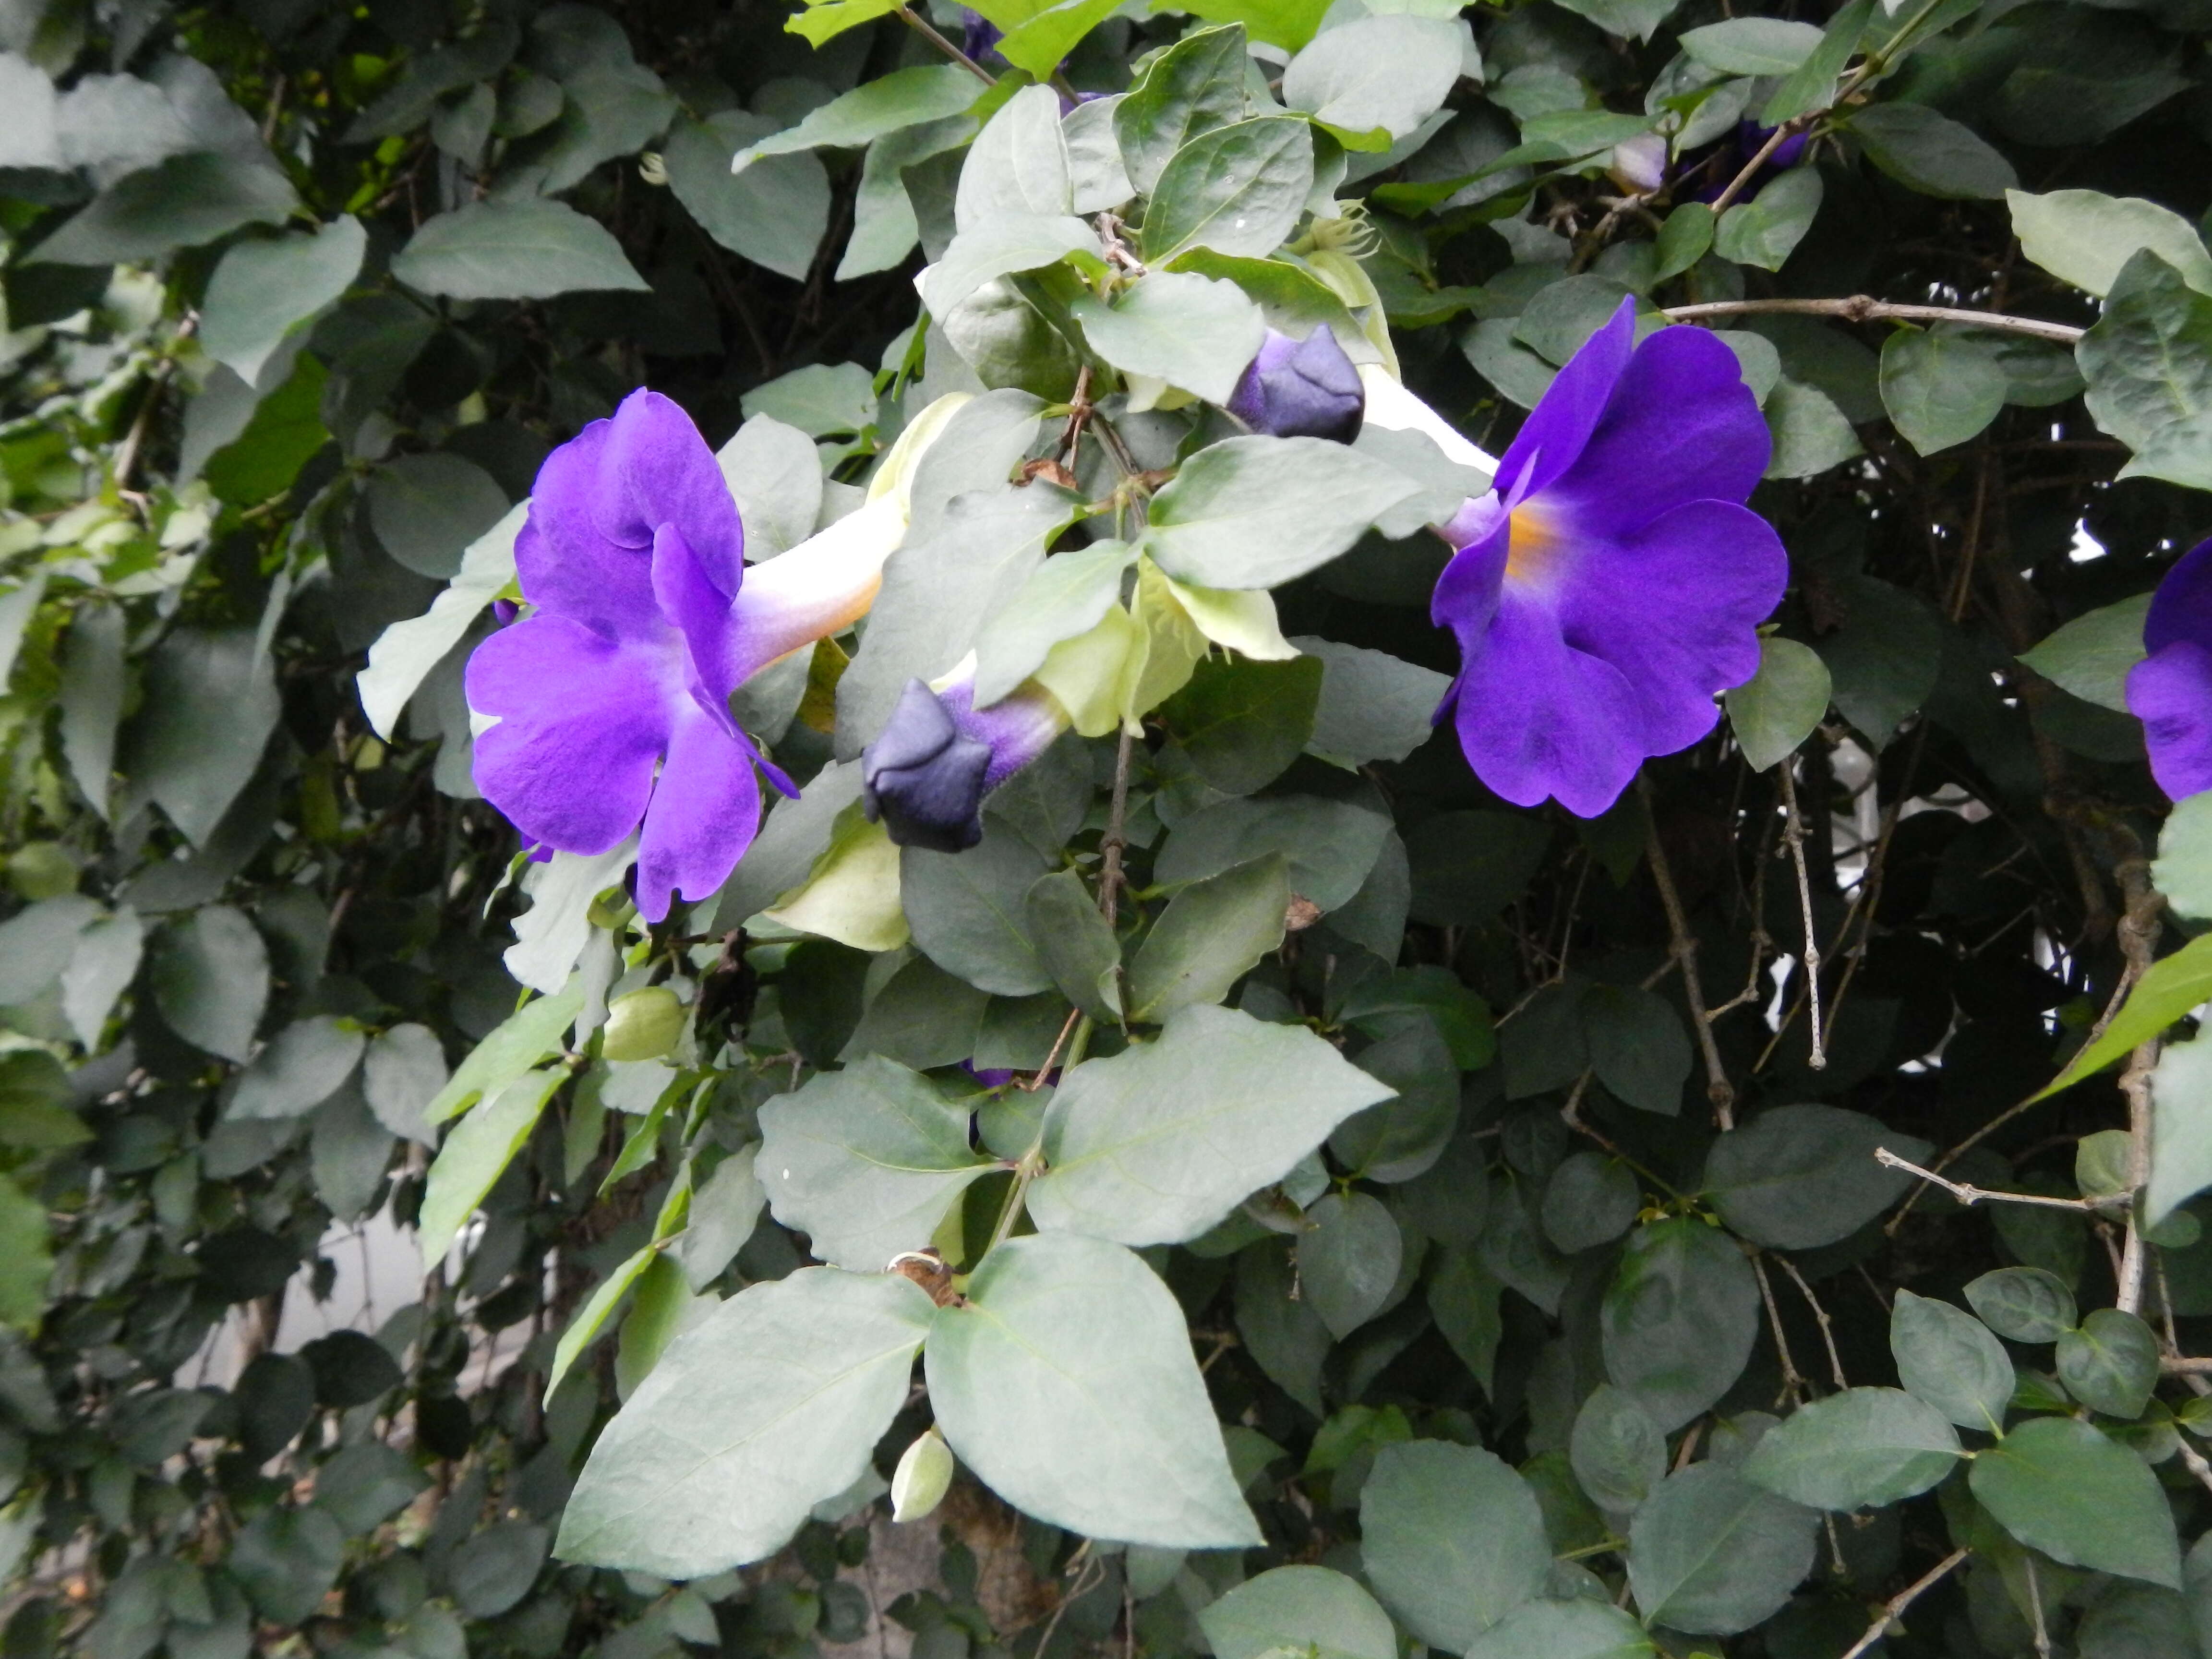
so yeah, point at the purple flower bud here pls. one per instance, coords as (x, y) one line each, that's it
(980, 39)
(1639, 164)
(503, 611)
(923, 777)
(1301, 389)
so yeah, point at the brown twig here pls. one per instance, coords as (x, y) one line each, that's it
(1863, 308)
(1742, 182)
(1684, 947)
(1971, 1194)
(1893, 1609)
(1793, 832)
(1820, 1314)
(922, 27)
(2138, 936)
(1794, 1387)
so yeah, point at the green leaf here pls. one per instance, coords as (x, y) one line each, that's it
(1065, 1380)
(1255, 511)
(475, 1155)
(1075, 943)
(285, 429)
(286, 1560)
(1242, 722)
(1189, 330)
(366, 1484)
(1017, 168)
(2149, 363)
(1305, 1609)
(1379, 75)
(2060, 1486)
(1451, 1539)
(2086, 238)
(1777, 709)
(304, 1065)
(1001, 247)
(1939, 389)
(865, 1162)
(1797, 1177)
(1209, 937)
(512, 1048)
(210, 703)
(494, 1569)
(1286, 1339)
(27, 1255)
(1684, 238)
(1637, 1047)
(1238, 190)
(211, 980)
(1679, 1319)
(1630, 19)
(1331, 845)
(2025, 1304)
(2173, 987)
(2110, 1363)
(1711, 1554)
(1811, 84)
(903, 98)
(966, 911)
(583, 1325)
(1195, 85)
(2181, 1130)
(1752, 45)
(1560, 317)
(2090, 656)
(426, 510)
(1158, 1143)
(1348, 1260)
(765, 1407)
(1883, 661)
(1809, 430)
(1862, 1448)
(1591, 1200)
(1580, 1629)
(1763, 232)
(1931, 153)
(1468, 866)
(1372, 706)
(182, 203)
(1064, 597)
(1401, 1139)
(513, 250)
(774, 211)
(1948, 1358)
(261, 290)
(1286, 23)
(1618, 1454)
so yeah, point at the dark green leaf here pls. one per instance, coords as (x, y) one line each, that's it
(1941, 389)
(1210, 935)
(2110, 1363)
(966, 910)
(1711, 1553)
(1451, 1539)
(2060, 1486)
(1931, 153)
(1679, 1319)
(1861, 1449)
(1194, 87)
(1238, 190)
(1797, 1177)
(2024, 1304)
(1948, 1358)
(513, 250)
(1241, 722)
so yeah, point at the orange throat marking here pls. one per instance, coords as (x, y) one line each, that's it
(1532, 545)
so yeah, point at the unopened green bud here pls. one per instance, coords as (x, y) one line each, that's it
(643, 1025)
(924, 1475)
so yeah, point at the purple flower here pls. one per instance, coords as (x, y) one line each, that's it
(1727, 159)
(925, 776)
(2171, 688)
(1300, 389)
(609, 700)
(1614, 580)
(980, 37)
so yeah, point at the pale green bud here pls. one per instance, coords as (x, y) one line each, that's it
(643, 1025)
(924, 1474)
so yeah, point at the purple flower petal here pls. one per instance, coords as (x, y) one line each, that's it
(656, 470)
(1676, 609)
(2182, 607)
(1537, 718)
(1301, 389)
(566, 566)
(705, 812)
(2171, 692)
(702, 612)
(923, 777)
(1555, 432)
(581, 720)
(1680, 425)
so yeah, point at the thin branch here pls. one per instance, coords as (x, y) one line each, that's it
(922, 27)
(1972, 1195)
(1717, 1087)
(2138, 938)
(1893, 1609)
(1794, 830)
(2176, 1364)
(1864, 308)
(2195, 1462)
(1794, 1388)
(1111, 847)
(2035, 1596)
(1820, 1314)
